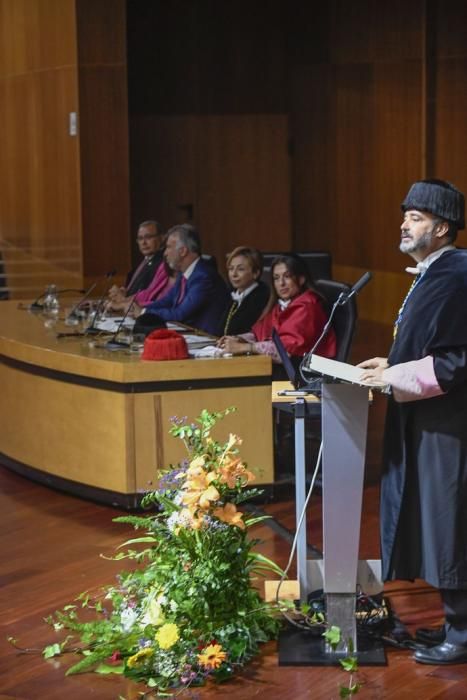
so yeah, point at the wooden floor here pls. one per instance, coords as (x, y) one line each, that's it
(50, 546)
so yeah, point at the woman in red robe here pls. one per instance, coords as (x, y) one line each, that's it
(295, 310)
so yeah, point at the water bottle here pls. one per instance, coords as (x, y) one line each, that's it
(51, 302)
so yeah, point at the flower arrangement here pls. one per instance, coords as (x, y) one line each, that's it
(188, 611)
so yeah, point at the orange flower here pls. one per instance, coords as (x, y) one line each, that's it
(196, 477)
(230, 515)
(233, 471)
(212, 656)
(202, 499)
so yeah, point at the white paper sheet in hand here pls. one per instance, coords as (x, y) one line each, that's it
(341, 370)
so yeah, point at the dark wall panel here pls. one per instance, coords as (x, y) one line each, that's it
(104, 160)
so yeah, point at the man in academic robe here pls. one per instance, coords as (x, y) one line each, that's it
(149, 238)
(199, 296)
(424, 481)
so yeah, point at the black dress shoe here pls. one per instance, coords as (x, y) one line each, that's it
(445, 653)
(431, 636)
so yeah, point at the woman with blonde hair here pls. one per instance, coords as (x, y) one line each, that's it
(249, 294)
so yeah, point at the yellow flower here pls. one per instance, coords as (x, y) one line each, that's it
(230, 515)
(196, 479)
(205, 498)
(190, 499)
(167, 635)
(197, 462)
(140, 656)
(154, 614)
(233, 440)
(212, 656)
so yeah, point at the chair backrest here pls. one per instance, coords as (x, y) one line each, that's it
(210, 259)
(345, 316)
(318, 262)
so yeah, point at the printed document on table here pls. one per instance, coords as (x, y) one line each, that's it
(110, 325)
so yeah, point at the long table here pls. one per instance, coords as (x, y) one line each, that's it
(96, 423)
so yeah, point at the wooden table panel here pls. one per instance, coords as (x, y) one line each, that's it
(101, 419)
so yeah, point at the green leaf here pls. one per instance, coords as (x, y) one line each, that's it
(51, 650)
(138, 540)
(332, 636)
(268, 564)
(347, 691)
(105, 669)
(349, 664)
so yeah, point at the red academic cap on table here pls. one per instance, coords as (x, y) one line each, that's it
(163, 344)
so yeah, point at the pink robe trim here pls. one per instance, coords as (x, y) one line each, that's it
(411, 381)
(159, 287)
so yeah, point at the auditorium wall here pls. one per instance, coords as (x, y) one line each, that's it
(297, 124)
(64, 199)
(283, 124)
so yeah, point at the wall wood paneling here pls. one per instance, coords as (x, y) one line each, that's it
(285, 124)
(208, 119)
(101, 28)
(64, 198)
(39, 179)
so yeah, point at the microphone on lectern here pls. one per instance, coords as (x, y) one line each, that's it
(358, 286)
(342, 299)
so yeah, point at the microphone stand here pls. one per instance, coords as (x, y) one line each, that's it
(35, 306)
(342, 299)
(73, 315)
(91, 329)
(113, 343)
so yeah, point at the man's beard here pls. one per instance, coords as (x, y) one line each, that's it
(412, 246)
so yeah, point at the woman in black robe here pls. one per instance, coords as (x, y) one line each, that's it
(249, 294)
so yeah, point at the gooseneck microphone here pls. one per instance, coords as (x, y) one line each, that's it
(113, 343)
(73, 315)
(91, 329)
(36, 306)
(341, 300)
(359, 284)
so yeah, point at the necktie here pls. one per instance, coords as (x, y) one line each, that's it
(181, 294)
(137, 273)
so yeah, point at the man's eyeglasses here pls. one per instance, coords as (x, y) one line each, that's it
(146, 237)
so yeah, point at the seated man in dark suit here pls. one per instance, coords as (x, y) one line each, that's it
(149, 239)
(199, 296)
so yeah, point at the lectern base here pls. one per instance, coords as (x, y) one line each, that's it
(301, 648)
